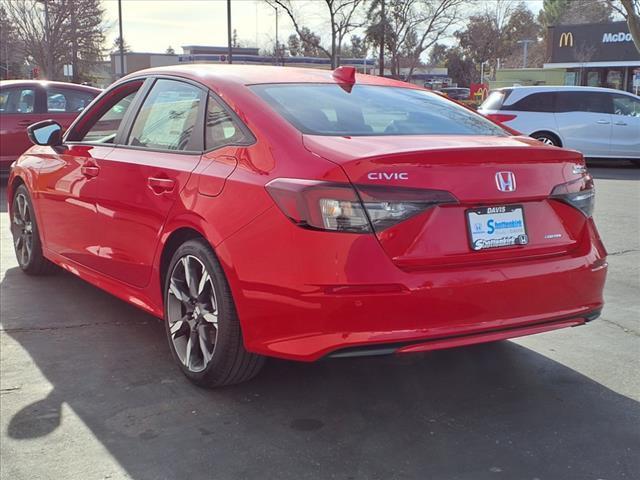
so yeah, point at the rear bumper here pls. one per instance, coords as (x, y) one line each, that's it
(310, 294)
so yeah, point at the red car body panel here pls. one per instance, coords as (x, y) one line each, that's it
(13, 126)
(303, 294)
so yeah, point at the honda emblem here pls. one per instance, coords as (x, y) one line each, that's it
(506, 181)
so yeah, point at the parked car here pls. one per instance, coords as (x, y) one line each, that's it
(303, 214)
(456, 93)
(599, 122)
(23, 102)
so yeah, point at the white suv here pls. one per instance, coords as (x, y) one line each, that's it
(599, 122)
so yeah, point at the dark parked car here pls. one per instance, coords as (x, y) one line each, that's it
(23, 102)
(456, 93)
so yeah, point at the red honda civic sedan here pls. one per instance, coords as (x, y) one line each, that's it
(303, 214)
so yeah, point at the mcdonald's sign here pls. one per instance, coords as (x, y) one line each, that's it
(479, 91)
(566, 39)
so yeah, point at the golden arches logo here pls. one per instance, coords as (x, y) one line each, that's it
(481, 93)
(566, 39)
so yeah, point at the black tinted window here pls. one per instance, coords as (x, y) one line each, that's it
(596, 102)
(328, 109)
(536, 102)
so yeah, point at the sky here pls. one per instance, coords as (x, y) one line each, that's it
(154, 25)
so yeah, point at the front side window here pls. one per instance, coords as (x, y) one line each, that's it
(62, 100)
(168, 117)
(626, 106)
(328, 109)
(104, 127)
(221, 128)
(17, 100)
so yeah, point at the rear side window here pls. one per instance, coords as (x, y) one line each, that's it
(596, 102)
(168, 118)
(17, 100)
(63, 100)
(328, 109)
(221, 129)
(535, 102)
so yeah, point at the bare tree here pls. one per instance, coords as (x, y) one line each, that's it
(343, 19)
(55, 32)
(630, 10)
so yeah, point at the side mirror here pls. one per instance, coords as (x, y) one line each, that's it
(46, 133)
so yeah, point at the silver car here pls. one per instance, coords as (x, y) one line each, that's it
(599, 122)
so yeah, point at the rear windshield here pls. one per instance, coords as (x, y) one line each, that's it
(494, 100)
(328, 109)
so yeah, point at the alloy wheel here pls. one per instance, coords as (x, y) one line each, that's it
(22, 229)
(546, 140)
(192, 313)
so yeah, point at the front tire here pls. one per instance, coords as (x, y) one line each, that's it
(201, 323)
(26, 236)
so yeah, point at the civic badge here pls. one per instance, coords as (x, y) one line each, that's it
(506, 181)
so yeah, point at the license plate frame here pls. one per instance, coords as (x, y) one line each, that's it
(483, 236)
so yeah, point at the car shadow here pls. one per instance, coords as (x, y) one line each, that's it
(613, 170)
(468, 413)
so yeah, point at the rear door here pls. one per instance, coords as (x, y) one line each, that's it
(141, 179)
(625, 135)
(584, 119)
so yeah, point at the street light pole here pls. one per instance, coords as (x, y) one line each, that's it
(383, 23)
(121, 38)
(525, 44)
(229, 59)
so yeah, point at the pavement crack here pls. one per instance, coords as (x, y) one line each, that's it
(621, 327)
(622, 252)
(66, 327)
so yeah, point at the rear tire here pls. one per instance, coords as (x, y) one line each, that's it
(547, 138)
(26, 235)
(201, 322)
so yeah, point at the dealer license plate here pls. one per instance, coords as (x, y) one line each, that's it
(492, 227)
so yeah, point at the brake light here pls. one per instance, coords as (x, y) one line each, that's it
(501, 117)
(579, 193)
(339, 207)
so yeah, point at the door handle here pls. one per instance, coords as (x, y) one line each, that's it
(161, 185)
(90, 171)
(621, 123)
(603, 122)
(24, 123)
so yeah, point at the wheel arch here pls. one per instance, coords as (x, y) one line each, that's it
(176, 238)
(549, 132)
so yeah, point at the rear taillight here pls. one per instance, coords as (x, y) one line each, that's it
(501, 117)
(338, 207)
(579, 193)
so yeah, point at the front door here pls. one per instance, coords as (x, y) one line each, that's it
(67, 186)
(625, 135)
(141, 179)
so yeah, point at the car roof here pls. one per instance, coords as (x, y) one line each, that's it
(560, 88)
(221, 74)
(47, 83)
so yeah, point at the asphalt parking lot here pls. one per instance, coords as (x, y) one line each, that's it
(89, 391)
